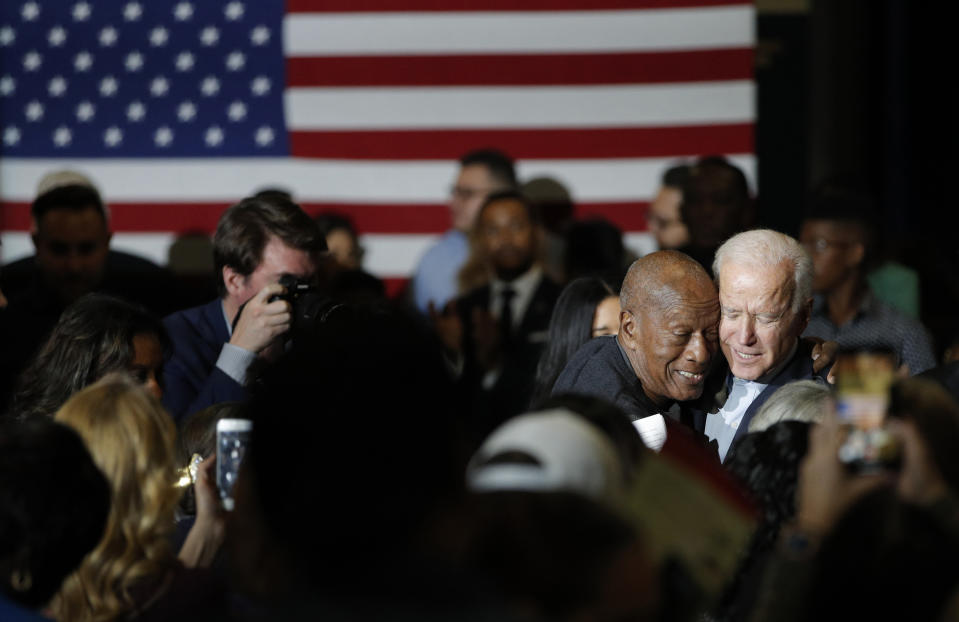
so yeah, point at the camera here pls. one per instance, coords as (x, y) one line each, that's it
(308, 306)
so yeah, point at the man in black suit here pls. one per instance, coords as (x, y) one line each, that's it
(765, 297)
(496, 333)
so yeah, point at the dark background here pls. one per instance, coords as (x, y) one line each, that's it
(866, 90)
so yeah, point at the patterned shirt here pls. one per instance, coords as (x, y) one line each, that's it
(876, 325)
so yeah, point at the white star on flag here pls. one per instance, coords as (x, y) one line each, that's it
(136, 111)
(132, 11)
(113, 136)
(163, 136)
(62, 136)
(108, 36)
(34, 111)
(57, 86)
(85, 111)
(109, 86)
(81, 11)
(83, 61)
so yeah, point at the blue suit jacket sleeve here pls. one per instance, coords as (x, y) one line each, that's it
(192, 379)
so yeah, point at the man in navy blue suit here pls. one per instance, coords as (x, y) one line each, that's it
(257, 241)
(765, 299)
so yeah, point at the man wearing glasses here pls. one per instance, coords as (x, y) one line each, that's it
(840, 237)
(481, 173)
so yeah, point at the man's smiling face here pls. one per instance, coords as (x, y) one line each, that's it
(759, 325)
(675, 341)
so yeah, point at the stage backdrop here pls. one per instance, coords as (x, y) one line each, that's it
(176, 109)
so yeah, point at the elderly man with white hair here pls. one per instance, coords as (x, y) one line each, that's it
(765, 298)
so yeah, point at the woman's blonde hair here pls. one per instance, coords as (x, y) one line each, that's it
(131, 439)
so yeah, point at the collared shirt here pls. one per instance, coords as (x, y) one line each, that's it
(436, 274)
(524, 287)
(876, 325)
(722, 425)
(234, 360)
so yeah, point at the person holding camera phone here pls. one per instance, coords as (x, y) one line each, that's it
(257, 242)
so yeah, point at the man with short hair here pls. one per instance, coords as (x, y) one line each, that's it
(664, 217)
(481, 173)
(498, 330)
(840, 237)
(257, 241)
(716, 205)
(765, 297)
(71, 235)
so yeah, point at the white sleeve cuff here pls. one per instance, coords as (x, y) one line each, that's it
(234, 361)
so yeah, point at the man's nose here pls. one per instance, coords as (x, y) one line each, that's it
(746, 331)
(697, 350)
(74, 261)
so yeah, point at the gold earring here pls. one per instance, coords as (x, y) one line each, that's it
(21, 580)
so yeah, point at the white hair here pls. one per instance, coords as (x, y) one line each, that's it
(801, 400)
(767, 248)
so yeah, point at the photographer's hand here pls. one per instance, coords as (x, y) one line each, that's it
(262, 321)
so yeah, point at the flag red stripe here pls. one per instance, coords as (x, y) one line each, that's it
(520, 69)
(352, 6)
(632, 142)
(184, 218)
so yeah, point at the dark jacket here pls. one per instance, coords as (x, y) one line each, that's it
(510, 394)
(192, 379)
(798, 368)
(600, 369)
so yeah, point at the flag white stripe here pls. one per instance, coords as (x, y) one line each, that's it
(520, 107)
(339, 34)
(387, 255)
(417, 181)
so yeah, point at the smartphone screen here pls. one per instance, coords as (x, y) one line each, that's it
(863, 378)
(232, 438)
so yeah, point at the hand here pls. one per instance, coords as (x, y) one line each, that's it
(487, 338)
(205, 537)
(824, 354)
(920, 481)
(448, 326)
(262, 321)
(205, 492)
(826, 489)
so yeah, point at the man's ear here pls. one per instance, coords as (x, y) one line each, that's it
(805, 313)
(233, 281)
(628, 330)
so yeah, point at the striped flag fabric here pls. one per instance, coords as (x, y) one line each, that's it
(176, 109)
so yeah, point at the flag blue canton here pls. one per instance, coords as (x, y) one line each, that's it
(146, 78)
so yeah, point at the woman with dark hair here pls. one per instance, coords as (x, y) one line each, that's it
(586, 308)
(96, 335)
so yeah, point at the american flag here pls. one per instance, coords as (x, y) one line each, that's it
(176, 109)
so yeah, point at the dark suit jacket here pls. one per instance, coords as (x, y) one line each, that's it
(600, 369)
(193, 381)
(798, 368)
(512, 391)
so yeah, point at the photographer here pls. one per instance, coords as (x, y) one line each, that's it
(257, 241)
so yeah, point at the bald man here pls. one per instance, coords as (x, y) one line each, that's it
(668, 337)
(667, 342)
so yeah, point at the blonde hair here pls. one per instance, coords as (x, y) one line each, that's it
(131, 439)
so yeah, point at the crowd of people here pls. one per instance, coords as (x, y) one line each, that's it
(541, 427)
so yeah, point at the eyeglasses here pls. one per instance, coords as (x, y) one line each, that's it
(821, 245)
(464, 193)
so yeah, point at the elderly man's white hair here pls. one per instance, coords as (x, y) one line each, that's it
(800, 400)
(767, 249)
